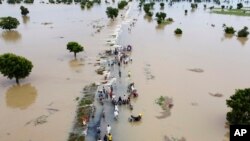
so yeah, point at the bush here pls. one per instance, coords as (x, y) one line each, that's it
(239, 102)
(178, 31)
(229, 30)
(122, 4)
(243, 32)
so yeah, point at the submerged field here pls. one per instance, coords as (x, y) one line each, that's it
(190, 68)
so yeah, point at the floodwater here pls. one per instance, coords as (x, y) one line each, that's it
(57, 79)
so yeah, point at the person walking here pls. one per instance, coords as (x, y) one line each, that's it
(105, 138)
(109, 137)
(108, 129)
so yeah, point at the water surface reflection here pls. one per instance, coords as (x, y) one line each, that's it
(21, 96)
(11, 36)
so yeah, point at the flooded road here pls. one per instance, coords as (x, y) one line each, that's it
(57, 79)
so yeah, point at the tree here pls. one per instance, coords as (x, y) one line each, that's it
(229, 30)
(160, 17)
(24, 11)
(178, 31)
(14, 66)
(112, 12)
(223, 7)
(186, 11)
(240, 104)
(122, 4)
(239, 5)
(194, 5)
(8, 23)
(74, 47)
(243, 32)
(162, 5)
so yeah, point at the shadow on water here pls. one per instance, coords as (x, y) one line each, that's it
(149, 19)
(21, 96)
(76, 64)
(242, 40)
(11, 36)
(25, 19)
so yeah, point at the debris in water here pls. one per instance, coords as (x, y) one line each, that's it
(198, 70)
(166, 104)
(166, 138)
(194, 104)
(40, 120)
(216, 94)
(148, 73)
(46, 23)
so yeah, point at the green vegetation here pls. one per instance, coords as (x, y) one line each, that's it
(8, 23)
(164, 102)
(28, 1)
(83, 112)
(14, 66)
(178, 31)
(186, 12)
(229, 30)
(122, 4)
(74, 47)
(236, 12)
(160, 17)
(162, 5)
(240, 107)
(112, 12)
(147, 7)
(13, 1)
(24, 11)
(239, 5)
(194, 5)
(243, 32)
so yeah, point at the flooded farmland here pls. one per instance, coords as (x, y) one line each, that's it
(193, 69)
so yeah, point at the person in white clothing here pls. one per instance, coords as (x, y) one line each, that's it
(116, 108)
(108, 129)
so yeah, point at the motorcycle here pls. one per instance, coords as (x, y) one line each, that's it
(135, 118)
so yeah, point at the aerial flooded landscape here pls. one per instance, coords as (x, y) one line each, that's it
(123, 70)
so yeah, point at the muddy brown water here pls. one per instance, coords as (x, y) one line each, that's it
(57, 79)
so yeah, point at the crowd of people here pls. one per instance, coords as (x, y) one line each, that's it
(117, 57)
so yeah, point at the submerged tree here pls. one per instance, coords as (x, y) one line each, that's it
(240, 107)
(160, 17)
(8, 23)
(162, 5)
(14, 66)
(194, 5)
(243, 32)
(122, 4)
(112, 12)
(74, 47)
(229, 30)
(24, 11)
(239, 5)
(178, 31)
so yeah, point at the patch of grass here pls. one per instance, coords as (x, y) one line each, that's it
(84, 110)
(236, 12)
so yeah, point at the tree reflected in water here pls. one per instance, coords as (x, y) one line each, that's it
(11, 36)
(21, 96)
